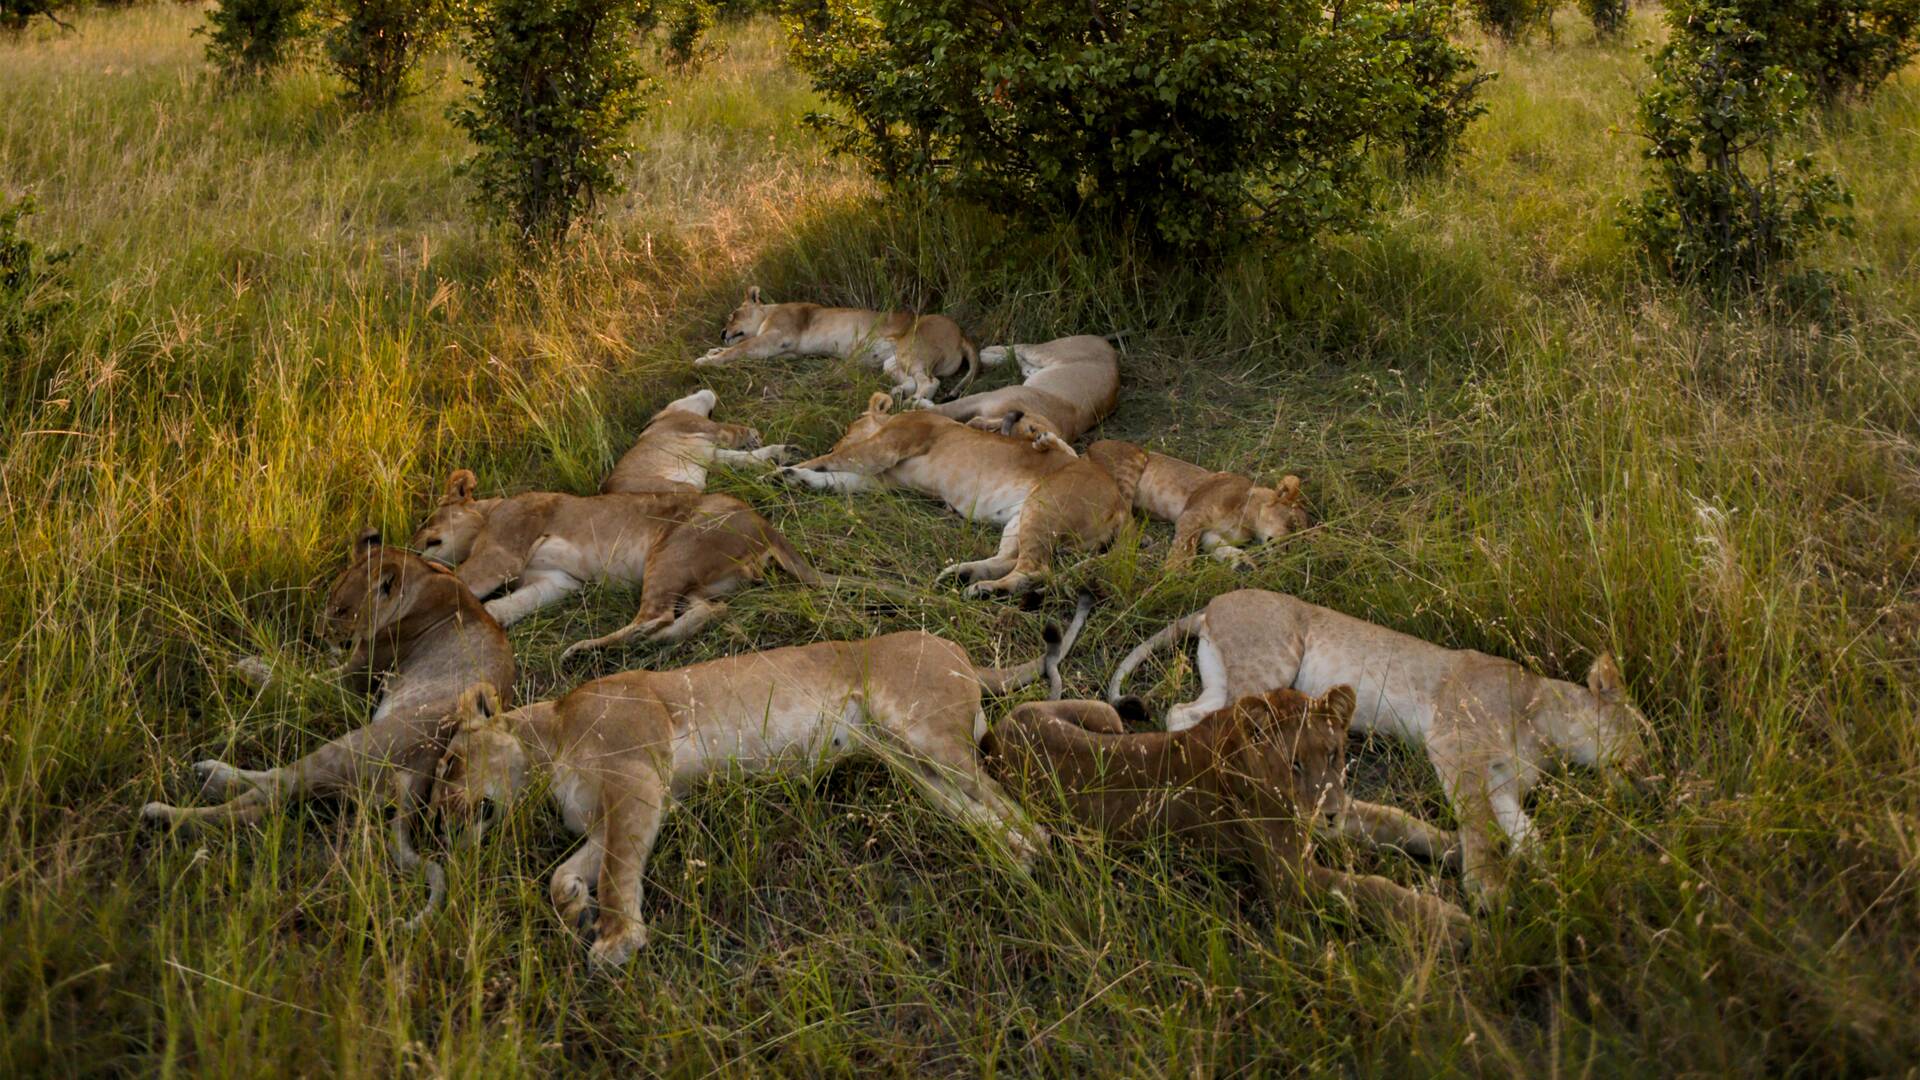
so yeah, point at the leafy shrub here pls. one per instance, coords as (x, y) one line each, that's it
(248, 38)
(1839, 47)
(1724, 207)
(1195, 122)
(31, 283)
(1609, 16)
(1446, 84)
(687, 22)
(1512, 20)
(374, 45)
(16, 14)
(556, 86)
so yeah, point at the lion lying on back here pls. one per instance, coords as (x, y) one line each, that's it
(1070, 385)
(1489, 725)
(1043, 494)
(916, 351)
(1248, 782)
(677, 445)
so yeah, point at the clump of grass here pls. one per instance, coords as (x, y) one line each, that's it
(285, 328)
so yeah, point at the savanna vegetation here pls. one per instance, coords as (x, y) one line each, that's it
(245, 321)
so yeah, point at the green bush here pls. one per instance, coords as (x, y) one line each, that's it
(248, 38)
(16, 14)
(1195, 123)
(1513, 20)
(1839, 47)
(32, 287)
(1446, 84)
(556, 87)
(1609, 16)
(1724, 206)
(685, 46)
(374, 45)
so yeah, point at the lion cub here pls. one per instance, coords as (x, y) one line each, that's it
(1248, 782)
(1489, 725)
(673, 452)
(620, 750)
(1042, 493)
(1216, 511)
(683, 549)
(418, 624)
(1070, 385)
(916, 351)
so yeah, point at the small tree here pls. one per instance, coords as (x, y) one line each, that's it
(1840, 47)
(1724, 206)
(375, 45)
(1195, 122)
(556, 87)
(248, 38)
(1609, 16)
(688, 22)
(1513, 20)
(1445, 84)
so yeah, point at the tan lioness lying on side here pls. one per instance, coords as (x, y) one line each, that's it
(423, 629)
(673, 452)
(1489, 725)
(684, 550)
(1043, 494)
(915, 351)
(1217, 511)
(1071, 384)
(621, 749)
(1248, 782)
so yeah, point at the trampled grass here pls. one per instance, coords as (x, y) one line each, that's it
(285, 326)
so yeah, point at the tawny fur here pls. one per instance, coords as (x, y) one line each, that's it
(678, 445)
(1489, 726)
(1247, 782)
(620, 750)
(915, 351)
(420, 627)
(1217, 512)
(1070, 384)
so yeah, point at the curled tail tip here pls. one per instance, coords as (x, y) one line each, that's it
(1132, 709)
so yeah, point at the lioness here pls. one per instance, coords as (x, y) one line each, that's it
(683, 549)
(620, 749)
(1248, 781)
(416, 622)
(1489, 725)
(1043, 496)
(1216, 511)
(673, 452)
(916, 351)
(1071, 384)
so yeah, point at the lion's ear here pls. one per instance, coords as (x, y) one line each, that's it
(460, 486)
(753, 294)
(880, 404)
(1336, 706)
(479, 707)
(1605, 680)
(1011, 422)
(368, 539)
(1289, 488)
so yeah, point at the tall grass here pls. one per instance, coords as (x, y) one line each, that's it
(286, 328)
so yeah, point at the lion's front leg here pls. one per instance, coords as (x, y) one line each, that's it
(627, 831)
(573, 883)
(758, 347)
(999, 565)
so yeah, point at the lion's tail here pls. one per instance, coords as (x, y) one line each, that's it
(1175, 634)
(1001, 680)
(971, 354)
(790, 559)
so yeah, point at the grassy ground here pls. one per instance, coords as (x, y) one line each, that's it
(285, 327)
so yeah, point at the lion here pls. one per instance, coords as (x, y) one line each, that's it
(1489, 725)
(620, 750)
(1071, 384)
(1042, 493)
(916, 351)
(1249, 782)
(1217, 511)
(673, 452)
(420, 626)
(684, 550)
